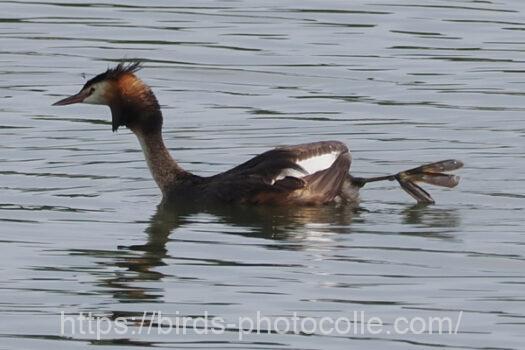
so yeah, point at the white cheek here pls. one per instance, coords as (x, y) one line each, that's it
(97, 97)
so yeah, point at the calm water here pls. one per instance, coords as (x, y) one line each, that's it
(401, 82)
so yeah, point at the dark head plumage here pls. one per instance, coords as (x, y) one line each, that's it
(116, 72)
(131, 101)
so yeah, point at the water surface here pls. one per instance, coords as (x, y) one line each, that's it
(400, 82)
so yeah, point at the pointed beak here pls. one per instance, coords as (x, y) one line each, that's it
(78, 98)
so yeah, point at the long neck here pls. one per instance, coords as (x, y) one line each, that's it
(162, 166)
(135, 106)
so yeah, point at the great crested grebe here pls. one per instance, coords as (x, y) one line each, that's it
(310, 173)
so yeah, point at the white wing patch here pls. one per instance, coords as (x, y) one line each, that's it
(289, 172)
(317, 163)
(310, 165)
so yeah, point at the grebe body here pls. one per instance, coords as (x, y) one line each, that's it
(305, 174)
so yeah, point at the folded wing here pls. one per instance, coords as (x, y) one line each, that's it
(309, 173)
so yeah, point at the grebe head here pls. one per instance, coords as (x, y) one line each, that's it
(131, 101)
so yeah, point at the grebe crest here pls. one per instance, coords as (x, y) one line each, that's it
(131, 101)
